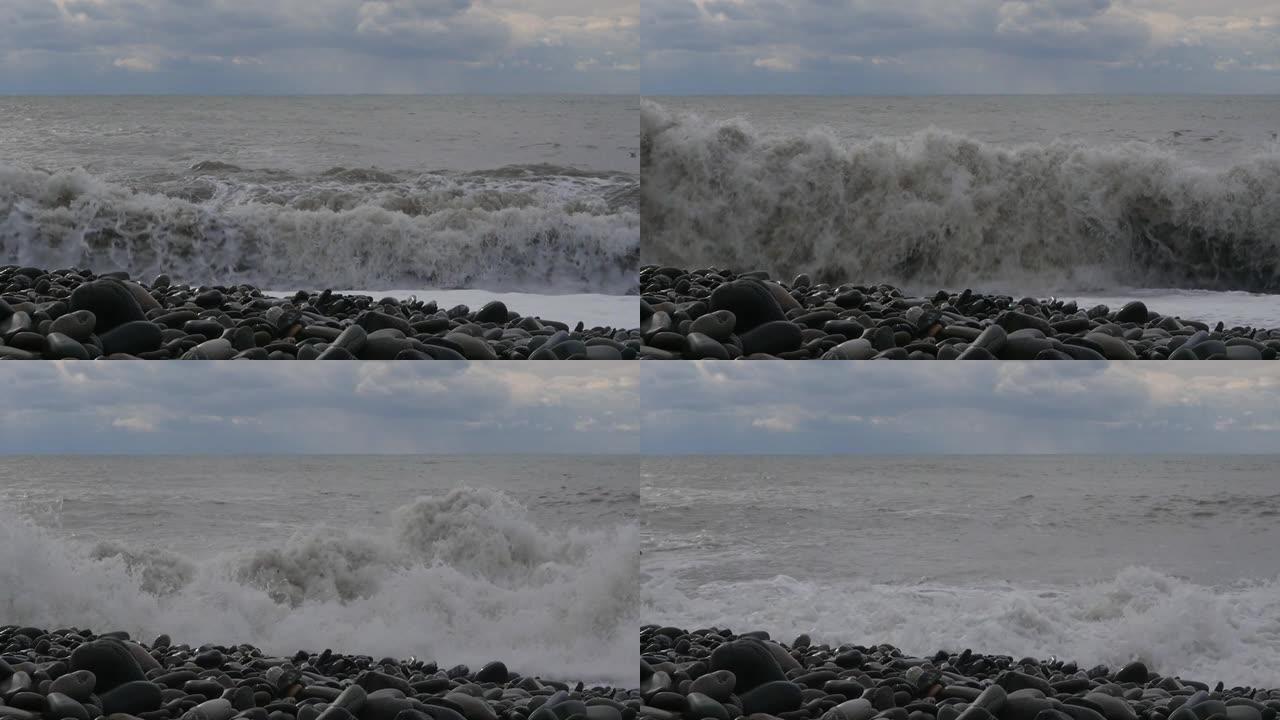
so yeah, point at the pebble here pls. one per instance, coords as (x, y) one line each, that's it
(109, 316)
(713, 313)
(716, 674)
(72, 674)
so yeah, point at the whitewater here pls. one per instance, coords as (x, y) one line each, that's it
(535, 195)
(466, 574)
(1025, 556)
(1023, 195)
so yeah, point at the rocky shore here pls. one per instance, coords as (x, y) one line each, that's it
(70, 674)
(74, 314)
(717, 674)
(716, 314)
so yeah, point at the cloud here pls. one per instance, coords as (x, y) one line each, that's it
(710, 408)
(439, 407)
(966, 46)
(333, 46)
(135, 63)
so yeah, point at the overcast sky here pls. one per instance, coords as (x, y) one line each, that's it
(433, 407)
(925, 408)
(960, 46)
(318, 46)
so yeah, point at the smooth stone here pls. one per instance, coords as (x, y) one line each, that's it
(1113, 708)
(77, 325)
(492, 312)
(772, 337)
(110, 302)
(473, 348)
(381, 705)
(1113, 348)
(992, 339)
(856, 709)
(717, 325)
(132, 698)
(61, 706)
(717, 685)
(351, 339)
(1133, 312)
(19, 321)
(1012, 320)
(751, 303)
(216, 349)
(750, 662)
(856, 349)
(772, 698)
(133, 338)
(110, 662)
(1134, 672)
(59, 346)
(473, 708)
(351, 698)
(217, 709)
(209, 299)
(77, 685)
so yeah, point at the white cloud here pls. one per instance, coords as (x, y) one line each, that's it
(135, 64)
(288, 45)
(709, 46)
(134, 423)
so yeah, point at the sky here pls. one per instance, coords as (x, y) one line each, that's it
(310, 408)
(958, 408)
(318, 46)
(960, 46)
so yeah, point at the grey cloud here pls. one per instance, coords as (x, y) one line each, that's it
(980, 408)
(916, 46)
(292, 45)
(357, 407)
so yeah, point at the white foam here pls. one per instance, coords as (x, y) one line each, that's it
(462, 577)
(937, 209)
(545, 234)
(1176, 627)
(593, 310)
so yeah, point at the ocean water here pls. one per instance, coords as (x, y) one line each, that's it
(531, 194)
(1098, 559)
(530, 560)
(1028, 195)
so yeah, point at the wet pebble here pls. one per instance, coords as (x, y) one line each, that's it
(716, 674)
(110, 316)
(708, 313)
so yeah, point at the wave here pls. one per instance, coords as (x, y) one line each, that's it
(464, 577)
(939, 209)
(1175, 626)
(538, 229)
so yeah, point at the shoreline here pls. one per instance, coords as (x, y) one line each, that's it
(712, 673)
(69, 673)
(76, 314)
(716, 314)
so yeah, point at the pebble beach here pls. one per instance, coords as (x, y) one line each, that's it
(710, 313)
(75, 314)
(714, 673)
(72, 673)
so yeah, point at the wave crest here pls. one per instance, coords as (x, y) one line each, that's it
(345, 229)
(939, 209)
(463, 577)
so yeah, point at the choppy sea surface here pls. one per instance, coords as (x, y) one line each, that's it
(530, 560)
(537, 194)
(1082, 196)
(1097, 559)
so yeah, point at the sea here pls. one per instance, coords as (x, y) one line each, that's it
(467, 559)
(421, 195)
(1174, 200)
(1097, 559)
